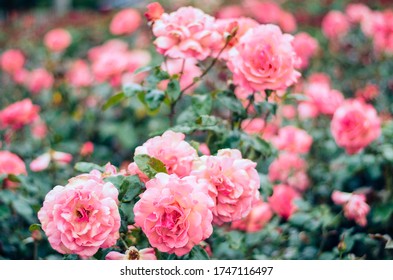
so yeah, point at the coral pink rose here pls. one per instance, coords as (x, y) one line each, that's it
(293, 140)
(79, 75)
(305, 47)
(82, 216)
(335, 25)
(125, 22)
(355, 206)
(259, 216)
(186, 33)
(282, 201)
(154, 11)
(12, 61)
(233, 184)
(175, 213)
(172, 150)
(19, 114)
(355, 125)
(38, 80)
(264, 59)
(289, 169)
(11, 164)
(57, 40)
(133, 253)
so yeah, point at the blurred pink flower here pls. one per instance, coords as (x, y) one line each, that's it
(335, 25)
(10, 163)
(57, 40)
(355, 206)
(133, 253)
(12, 61)
(42, 162)
(38, 80)
(87, 149)
(125, 22)
(233, 184)
(175, 213)
(82, 216)
(264, 59)
(355, 125)
(230, 12)
(259, 216)
(79, 75)
(368, 93)
(305, 47)
(154, 11)
(357, 12)
(293, 140)
(282, 201)
(39, 129)
(19, 114)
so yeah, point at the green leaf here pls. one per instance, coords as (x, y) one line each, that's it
(143, 69)
(113, 100)
(132, 89)
(86, 167)
(206, 120)
(197, 253)
(130, 187)
(22, 207)
(299, 219)
(233, 104)
(150, 166)
(161, 74)
(34, 227)
(173, 90)
(154, 98)
(202, 104)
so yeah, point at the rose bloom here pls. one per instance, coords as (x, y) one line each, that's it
(293, 140)
(125, 22)
(20, 76)
(12, 61)
(307, 110)
(57, 40)
(39, 130)
(38, 80)
(187, 71)
(186, 33)
(264, 59)
(79, 75)
(111, 46)
(170, 148)
(231, 11)
(233, 184)
(175, 213)
(154, 11)
(133, 253)
(382, 31)
(82, 216)
(282, 201)
(110, 66)
(87, 149)
(11, 164)
(355, 125)
(289, 169)
(357, 12)
(19, 114)
(305, 47)
(325, 99)
(335, 25)
(42, 162)
(259, 216)
(287, 22)
(355, 206)
(368, 93)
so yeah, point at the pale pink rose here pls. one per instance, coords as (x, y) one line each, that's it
(263, 11)
(187, 70)
(61, 157)
(335, 25)
(154, 11)
(170, 148)
(233, 184)
(382, 31)
(20, 76)
(132, 169)
(355, 206)
(264, 59)
(79, 75)
(357, 12)
(372, 23)
(355, 125)
(368, 93)
(204, 149)
(109, 67)
(40, 163)
(186, 33)
(137, 59)
(293, 140)
(38, 80)
(319, 78)
(305, 47)
(125, 22)
(325, 99)
(259, 216)
(288, 112)
(111, 46)
(19, 114)
(175, 213)
(82, 216)
(12, 61)
(282, 201)
(39, 129)
(133, 253)
(287, 22)
(57, 40)
(307, 110)
(289, 169)
(87, 149)
(232, 11)
(10, 163)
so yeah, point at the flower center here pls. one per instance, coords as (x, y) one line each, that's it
(82, 214)
(133, 255)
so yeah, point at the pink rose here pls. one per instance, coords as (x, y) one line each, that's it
(57, 40)
(20, 76)
(38, 80)
(335, 25)
(111, 46)
(289, 169)
(233, 184)
(293, 140)
(305, 47)
(287, 22)
(125, 22)
(82, 216)
(172, 150)
(186, 33)
(11, 164)
(264, 59)
(79, 75)
(259, 216)
(307, 110)
(12, 61)
(355, 206)
(357, 12)
(231, 11)
(42, 162)
(87, 149)
(19, 114)
(282, 201)
(175, 213)
(382, 31)
(133, 253)
(39, 130)
(254, 126)
(154, 11)
(325, 99)
(355, 125)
